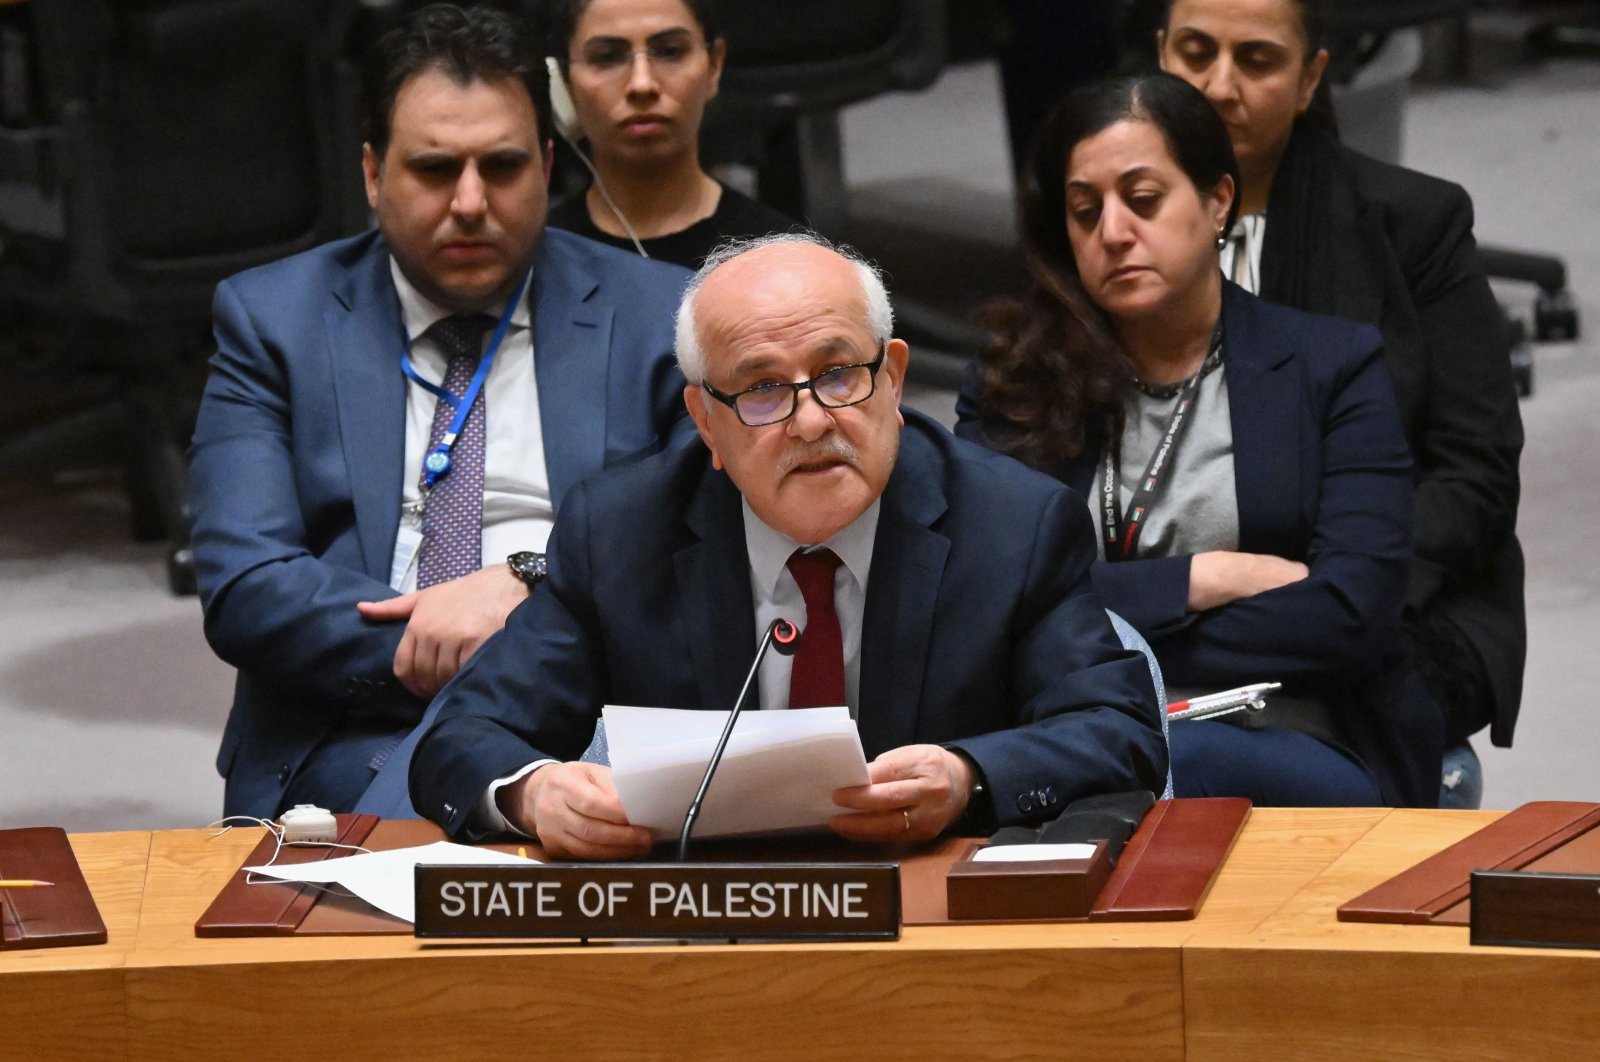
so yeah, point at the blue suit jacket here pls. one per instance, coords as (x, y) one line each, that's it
(1323, 476)
(297, 461)
(979, 632)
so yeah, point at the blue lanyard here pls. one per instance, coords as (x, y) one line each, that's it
(437, 461)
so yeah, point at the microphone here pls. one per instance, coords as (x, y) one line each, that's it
(781, 635)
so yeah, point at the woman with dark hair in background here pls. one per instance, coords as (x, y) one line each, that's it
(640, 73)
(1244, 461)
(1328, 230)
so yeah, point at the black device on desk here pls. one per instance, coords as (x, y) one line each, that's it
(1109, 817)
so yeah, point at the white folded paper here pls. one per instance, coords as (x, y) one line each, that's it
(778, 773)
(387, 880)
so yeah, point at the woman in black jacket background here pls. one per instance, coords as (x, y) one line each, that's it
(1327, 229)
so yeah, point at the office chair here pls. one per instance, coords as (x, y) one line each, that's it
(1576, 36)
(791, 67)
(1132, 639)
(1362, 27)
(169, 143)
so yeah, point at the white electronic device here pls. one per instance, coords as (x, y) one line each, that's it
(565, 114)
(307, 822)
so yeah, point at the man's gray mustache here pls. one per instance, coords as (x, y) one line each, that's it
(824, 448)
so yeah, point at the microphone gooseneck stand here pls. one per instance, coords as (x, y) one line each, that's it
(780, 634)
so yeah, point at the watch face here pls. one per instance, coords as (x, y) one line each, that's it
(529, 566)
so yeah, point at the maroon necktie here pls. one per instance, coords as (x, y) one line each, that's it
(817, 678)
(452, 520)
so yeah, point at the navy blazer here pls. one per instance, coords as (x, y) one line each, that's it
(296, 465)
(979, 632)
(1323, 476)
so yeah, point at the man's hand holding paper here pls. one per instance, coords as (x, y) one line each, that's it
(574, 810)
(916, 792)
(779, 774)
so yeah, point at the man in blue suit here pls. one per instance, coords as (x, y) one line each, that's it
(952, 612)
(389, 418)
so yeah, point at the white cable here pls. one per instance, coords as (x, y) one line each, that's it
(600, 185)
(223, 825)
(566, 120)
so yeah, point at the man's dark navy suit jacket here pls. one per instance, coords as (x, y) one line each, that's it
(980, 632)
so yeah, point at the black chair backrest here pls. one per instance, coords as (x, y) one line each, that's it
(821, 54)
(196, 138)
(208, 119)
(1383, 16)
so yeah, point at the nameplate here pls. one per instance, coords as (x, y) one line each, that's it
(677, 901)
(1539, 910)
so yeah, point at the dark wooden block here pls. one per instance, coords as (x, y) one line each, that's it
(51, 916)
(1435, 889)
(1024, 891)
(275, 908)
(1172, 860)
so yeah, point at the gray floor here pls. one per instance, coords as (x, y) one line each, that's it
(111, 704)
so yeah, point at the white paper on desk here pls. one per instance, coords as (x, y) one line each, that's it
(777, 775)
(1032, 853)
(387, 880)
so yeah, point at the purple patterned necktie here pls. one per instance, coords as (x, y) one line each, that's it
(452, 520)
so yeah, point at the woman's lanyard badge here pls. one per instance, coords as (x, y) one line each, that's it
(1119, 530)
(436, 463)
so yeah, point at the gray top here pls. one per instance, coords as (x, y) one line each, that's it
(1197, 512)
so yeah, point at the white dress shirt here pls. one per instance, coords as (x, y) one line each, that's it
(517, 510)
(1241, 255)
(775, 593)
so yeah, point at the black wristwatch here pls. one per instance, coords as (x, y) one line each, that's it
(978, 818)
(528, 566)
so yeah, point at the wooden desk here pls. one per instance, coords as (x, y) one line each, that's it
(67, 1003)
(1093, 991)
(1265, 971)
(1301, 984)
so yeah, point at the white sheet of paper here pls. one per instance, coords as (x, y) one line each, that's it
(1032, 853)
(387, 880)
(778, 773)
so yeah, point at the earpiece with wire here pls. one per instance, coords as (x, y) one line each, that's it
(307, 822)
(287, 832)
(566, 123)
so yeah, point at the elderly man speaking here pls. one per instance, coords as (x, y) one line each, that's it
(945, 591)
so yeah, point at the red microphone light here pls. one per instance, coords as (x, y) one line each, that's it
(785, 636)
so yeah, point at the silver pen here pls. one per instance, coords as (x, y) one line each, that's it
(1253, 698)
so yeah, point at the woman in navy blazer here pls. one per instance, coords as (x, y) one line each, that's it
(1301, 582)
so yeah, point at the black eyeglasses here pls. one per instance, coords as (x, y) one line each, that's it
(773, 403)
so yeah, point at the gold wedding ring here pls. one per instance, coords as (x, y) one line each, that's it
(907, 815)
